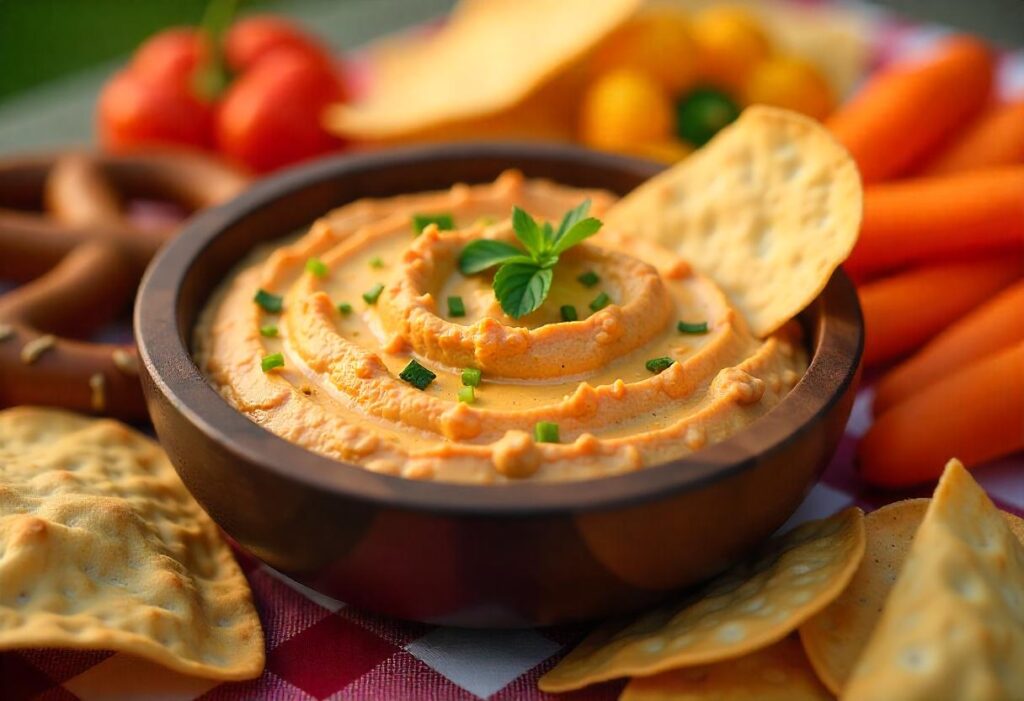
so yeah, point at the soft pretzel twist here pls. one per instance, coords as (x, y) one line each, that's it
(79, 262)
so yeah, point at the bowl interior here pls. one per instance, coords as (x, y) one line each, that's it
(181, 279)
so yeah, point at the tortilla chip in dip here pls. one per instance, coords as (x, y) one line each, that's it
(749, 607)
(104, 549)
(953, 625)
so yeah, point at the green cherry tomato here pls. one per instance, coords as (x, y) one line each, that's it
(702, 112)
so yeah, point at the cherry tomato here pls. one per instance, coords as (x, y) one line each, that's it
(792, 83)
(702, 112)
(656, 42)
(624, 108)
(172, 56)
(731, 42)
(270, 116)
(249, 40)
(134, 112)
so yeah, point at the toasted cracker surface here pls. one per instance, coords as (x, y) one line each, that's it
(750, 606)
(953, 625)
(768, 210)
(102, 547)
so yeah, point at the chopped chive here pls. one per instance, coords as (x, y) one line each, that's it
(471, 377)
(588, 279)
(268, 302)
(600, 302)
(376, 262)
(545, 432)
(568, 312)
(422, 221)
(373, 294)
(696, 327)
(417, 375)
(345, 308)
(269, 331)
(317, 267)
(269, 362)
(456, 307)
(658, 365)
(467, 395)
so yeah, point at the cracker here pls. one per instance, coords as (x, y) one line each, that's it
(751, 605)
(953, 625)
(768, 210)
(779, 672)
(835, 637)
(101, 547)
(488, 57)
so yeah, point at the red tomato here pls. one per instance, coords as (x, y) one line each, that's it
(252, 38)
(270, 116)
(170, 57)
(134, 111)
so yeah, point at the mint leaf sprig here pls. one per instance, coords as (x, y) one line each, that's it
(523, 280)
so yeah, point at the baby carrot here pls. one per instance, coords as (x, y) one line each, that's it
(924, 219)
(996, 138)
(903, 311)
(906, 111)
(995, 325)
(976, 415)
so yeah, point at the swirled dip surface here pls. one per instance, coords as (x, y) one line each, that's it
(339, 392)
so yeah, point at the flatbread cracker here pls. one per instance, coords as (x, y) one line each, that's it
(835, 637)
(779, 672)
(102, 547)
(752, 605)
(768, 210)
(953, 625)
(489, 56)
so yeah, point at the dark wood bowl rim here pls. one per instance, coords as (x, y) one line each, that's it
(164, 351)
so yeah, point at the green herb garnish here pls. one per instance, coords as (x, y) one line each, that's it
(268, 331)
(600, 302)
(658, 365)
(471, 377)
(588, 279)
(568, 312)
(417, 375)
(345, 308)
(467, 395)
(697, 327)
(545, 432)
(523, 279)
(373, 294)
(317, 267)
(456, 307)
(269, 362)
(422, 221)
(376, 262)
(268, 302)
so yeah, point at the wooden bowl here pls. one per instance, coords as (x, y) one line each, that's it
(514, 555)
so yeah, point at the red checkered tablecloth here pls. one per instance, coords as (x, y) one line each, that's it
(319, 648)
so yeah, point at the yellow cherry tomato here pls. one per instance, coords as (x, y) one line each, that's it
(731, 42)
(793, 83)
(658, 43)
(624, 108)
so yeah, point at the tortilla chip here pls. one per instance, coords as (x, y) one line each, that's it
(101, 547)
(754, 604)
(835, 637)
(768, 210)
(779, 672)
(953, 625)
(489, 56)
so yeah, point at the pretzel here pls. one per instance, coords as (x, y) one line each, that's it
(65, 235)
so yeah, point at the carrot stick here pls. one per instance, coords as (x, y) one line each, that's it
(996, 138)
(997, 324)
(976, 415)
(906, 111)
(928, 219)
(903, 311)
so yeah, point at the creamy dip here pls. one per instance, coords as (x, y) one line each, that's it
(339, 390)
